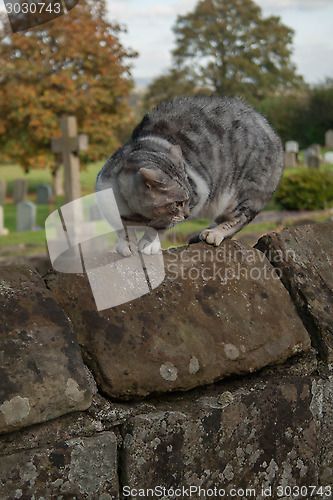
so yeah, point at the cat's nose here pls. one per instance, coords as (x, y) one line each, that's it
(186, 214)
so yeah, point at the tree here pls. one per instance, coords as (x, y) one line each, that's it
(320, 115)
(302, 116)
(229, 47)
(72, 65)
(174, 83)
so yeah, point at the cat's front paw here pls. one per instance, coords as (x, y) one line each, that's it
(125, 248)
(212, 237)
(149, 247)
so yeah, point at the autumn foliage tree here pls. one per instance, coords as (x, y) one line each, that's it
(74, 65)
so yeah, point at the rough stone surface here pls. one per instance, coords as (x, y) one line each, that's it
(303, 256)
(79, 468)
(259, 434)
(215, 314)
(269, 429)
(40, 262)
(42, 373)
(322, 409)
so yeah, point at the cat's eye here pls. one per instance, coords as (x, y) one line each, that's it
(180, 204)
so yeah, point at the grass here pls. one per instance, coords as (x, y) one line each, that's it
(11, 172)
(34, 241)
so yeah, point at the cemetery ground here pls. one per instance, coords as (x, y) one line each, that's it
(33, 242)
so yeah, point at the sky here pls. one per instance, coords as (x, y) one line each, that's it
(149, 31)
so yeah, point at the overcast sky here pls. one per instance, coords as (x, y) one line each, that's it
(149, 26)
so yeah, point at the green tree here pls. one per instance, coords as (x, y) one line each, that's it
(288, 113)
(320, 114)
(72, 65)
(173, 84)
(302, 116)
(230, 48)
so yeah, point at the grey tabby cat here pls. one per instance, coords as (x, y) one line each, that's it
(194, 157)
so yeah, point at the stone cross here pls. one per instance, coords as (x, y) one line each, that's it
(68, 145)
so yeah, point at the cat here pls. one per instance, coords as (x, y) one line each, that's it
(197, 157)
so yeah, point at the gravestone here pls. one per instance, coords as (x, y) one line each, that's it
(3, 230)
(3, 189)
(313, 161)
(44, 193)
(292, 147)
(312, 156)
(329, 139)
(68, 145)
(290, 160)
(25, 216)
(20, 190)
(316, 148)
(328, 158)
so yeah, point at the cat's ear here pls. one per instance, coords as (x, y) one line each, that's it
(177, 152)
(151, 177)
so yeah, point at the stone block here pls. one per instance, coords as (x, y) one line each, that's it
(219, 311)
(79, 468)
(257, 436)
(303, 256)
(42, 373)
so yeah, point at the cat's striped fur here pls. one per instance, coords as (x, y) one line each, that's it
(198, 156)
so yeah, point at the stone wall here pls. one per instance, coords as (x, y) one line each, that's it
(216, 384)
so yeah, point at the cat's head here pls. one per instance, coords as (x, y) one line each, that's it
(156, 187)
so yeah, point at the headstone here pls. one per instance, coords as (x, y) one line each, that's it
(316, 148)
(312, 156)
(3, 189)
(68, 144)
(44, 193)
(20, 190)
(313, 161)
(26, 216)
(292, 147)
(328, 158)
(290, 160)
(3, 230)
(329, 139)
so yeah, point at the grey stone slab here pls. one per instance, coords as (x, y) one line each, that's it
(215, 314)
(3, 191)
(303, 256)
(292, 147)
(25, 216)
(78, 468)
(20, 190)
(329, 139)
(3, 230)
(42, 373)
(259, 436)
(43, 193)
(290, 160)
